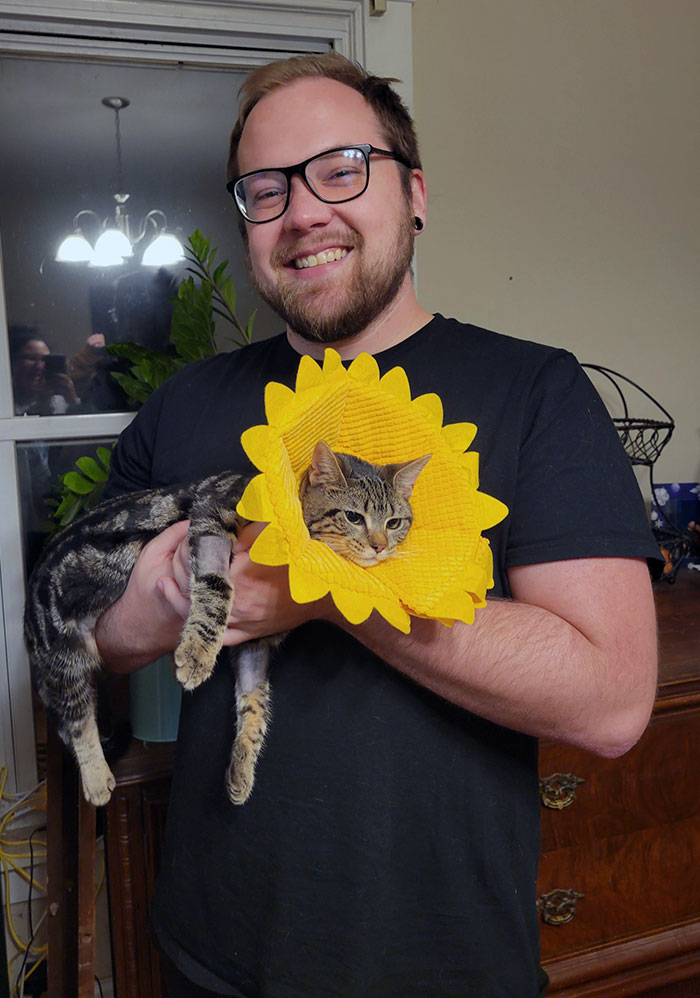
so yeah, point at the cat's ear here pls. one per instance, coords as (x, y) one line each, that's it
(325, 471)
(406, 475)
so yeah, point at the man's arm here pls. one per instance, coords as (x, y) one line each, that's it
(572, 658)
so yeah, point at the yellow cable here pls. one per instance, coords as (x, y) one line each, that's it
(35, 800)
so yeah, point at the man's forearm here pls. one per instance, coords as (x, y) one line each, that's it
(124, 645)
(524, 667)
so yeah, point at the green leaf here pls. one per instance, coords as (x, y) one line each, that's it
(70, 499)
(133, 389)
(132, 351)
(228, 293)
(77, 483)
(104, 454)
(199, 245)
(249, 327)
(91, 469)
(219, 272)
(72, 514)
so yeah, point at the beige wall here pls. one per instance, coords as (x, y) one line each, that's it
(561, 144)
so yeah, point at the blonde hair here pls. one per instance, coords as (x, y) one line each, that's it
(393, 116)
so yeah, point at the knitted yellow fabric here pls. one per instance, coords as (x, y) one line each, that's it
(443, 568)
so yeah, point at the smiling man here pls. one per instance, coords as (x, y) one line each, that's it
(390, 846)
(327, 249)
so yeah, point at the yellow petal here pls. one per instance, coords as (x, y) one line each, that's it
(364, 369)
(355, 607)
(458, 436)
(308, 375)
(394, 614)
(305, 587)
(395, 382)
(332, 364)
(255, 503)
(430, 404)
(256, 441)
(475, 579)
(491, 511)
(457, 605)
(277, 399)
(270, 547)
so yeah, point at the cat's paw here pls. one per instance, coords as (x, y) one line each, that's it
(239, 783)
(98, 783)
(194, 662)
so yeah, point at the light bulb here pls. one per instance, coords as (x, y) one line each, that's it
(163, 251)
(111, 249)
(74, 249)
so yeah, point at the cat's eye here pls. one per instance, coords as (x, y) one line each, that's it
(354, 517)
(394, 523)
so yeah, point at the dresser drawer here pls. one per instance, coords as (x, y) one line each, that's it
(626, 843)
(631, 884)
(655, 784)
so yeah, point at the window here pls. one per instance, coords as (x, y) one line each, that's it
(66, 153)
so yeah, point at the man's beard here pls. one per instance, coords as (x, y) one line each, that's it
(372, 288)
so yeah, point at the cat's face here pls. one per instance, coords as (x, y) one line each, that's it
(360, 510)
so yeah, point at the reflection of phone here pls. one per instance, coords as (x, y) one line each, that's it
(55, 363)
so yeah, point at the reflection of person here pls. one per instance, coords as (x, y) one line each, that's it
(39, 390)
(390, 846)
(84, 364)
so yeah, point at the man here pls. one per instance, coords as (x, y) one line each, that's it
(390, 845)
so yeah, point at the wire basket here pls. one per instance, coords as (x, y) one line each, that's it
(643, 439)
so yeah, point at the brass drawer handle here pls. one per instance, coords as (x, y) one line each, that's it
(559, 790)
(559, 906)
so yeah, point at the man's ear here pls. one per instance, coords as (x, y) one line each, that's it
(419, 195)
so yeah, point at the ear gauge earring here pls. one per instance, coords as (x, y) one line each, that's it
(418, 223)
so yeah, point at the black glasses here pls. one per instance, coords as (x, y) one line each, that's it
(334, 176)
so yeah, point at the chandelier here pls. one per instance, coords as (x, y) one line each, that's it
(114, 242)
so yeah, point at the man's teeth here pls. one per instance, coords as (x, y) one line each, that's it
(314, 259)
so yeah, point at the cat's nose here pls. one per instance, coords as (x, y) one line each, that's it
(378, 546)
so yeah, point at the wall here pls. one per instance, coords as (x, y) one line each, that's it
(561, 143)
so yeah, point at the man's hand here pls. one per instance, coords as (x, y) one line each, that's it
(262, 604)
(142, 624)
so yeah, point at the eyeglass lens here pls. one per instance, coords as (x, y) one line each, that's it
(336, 176)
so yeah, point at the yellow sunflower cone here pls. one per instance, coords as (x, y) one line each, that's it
(443, 568)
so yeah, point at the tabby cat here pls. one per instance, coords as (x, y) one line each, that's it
(360, 510)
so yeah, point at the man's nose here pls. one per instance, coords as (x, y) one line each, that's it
(305, 209)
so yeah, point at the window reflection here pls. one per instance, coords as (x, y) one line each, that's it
(58, 165)
(39, 465)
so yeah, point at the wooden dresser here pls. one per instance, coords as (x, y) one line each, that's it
(619, 882)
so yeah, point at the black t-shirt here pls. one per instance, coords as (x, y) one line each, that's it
(390, 846)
